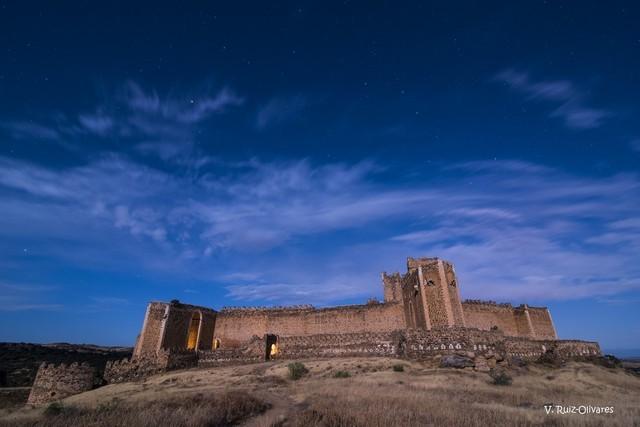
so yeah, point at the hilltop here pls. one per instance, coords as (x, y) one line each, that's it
(348, 391)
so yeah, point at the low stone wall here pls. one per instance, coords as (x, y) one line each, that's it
(339, 345)
(57, 382)
(251, 352)
(142, 367)
(223, 357)
(420, 344)
(131, 369)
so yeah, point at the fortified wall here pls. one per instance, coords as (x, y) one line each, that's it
(57, 382)
(426, 297)
(422, 317)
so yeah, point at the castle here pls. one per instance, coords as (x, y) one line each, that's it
(425, 301)
(422, 317)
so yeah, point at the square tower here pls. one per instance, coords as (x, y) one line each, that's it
(433, 294)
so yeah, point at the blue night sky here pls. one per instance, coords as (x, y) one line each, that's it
(287, 154)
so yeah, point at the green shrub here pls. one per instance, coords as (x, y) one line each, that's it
(398, 368)
(341, 374)
(53, 409)
(297, 370)
(500, 377)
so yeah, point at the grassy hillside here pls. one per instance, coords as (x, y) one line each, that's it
(348, 392)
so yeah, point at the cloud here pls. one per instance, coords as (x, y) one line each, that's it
(25, 297)
(570, 103)
(186, 109)
(26, 130)
(98, 123)
(303, 232)
(162, 126)
(280, 109)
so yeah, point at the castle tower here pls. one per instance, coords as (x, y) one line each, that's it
(431, 288)
(392, 287)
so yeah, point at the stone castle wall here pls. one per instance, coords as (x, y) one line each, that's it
(57, 382)
(339, 345)
(410, 343)
(486, 315)
(140, 367)
(234, 327)
(167, 325)
(523, 321)
(253, 352)
(542, 323)
(149, 340)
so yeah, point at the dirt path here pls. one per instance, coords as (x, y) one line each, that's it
(282, 406)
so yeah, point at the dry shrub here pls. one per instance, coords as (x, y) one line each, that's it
(191, 411)
(500, 377)
(342, 374)
(297, 370)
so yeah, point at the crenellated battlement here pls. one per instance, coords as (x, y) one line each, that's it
(302, 307)
(487, 303)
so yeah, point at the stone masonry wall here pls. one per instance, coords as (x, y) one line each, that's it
(57, 382)
(205, 338)
(254, 351)
(485, 315)
(149, 340)
(177, 327)
(339, 345)
(234, 327)
(523, 323)
(138, 368)
(420, 344)
(542, 323)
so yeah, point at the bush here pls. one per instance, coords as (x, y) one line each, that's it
(341, 374)
(53, 409)
(297, 370)
(398, 368)
(500, 377)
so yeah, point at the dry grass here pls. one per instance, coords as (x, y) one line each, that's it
(192, 411)
(373, 395)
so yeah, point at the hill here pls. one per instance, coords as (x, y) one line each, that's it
(350, 392)
(19, 362)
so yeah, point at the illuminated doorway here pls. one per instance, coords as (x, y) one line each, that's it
(271, 347)
(194, 331)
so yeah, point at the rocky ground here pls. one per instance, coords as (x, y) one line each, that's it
(351, 392)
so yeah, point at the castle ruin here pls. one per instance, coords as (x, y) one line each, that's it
(422, 312)
(421, 317)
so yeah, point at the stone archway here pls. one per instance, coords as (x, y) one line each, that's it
(194, 331)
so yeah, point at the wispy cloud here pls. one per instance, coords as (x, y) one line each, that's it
(26, 297)
(98, 123)
(570, 103)
(162, 126)
(187, 109)
(280, 109)
(27, 130)
(515, 230)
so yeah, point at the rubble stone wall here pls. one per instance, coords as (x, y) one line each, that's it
(57, 382)
(339, 345)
